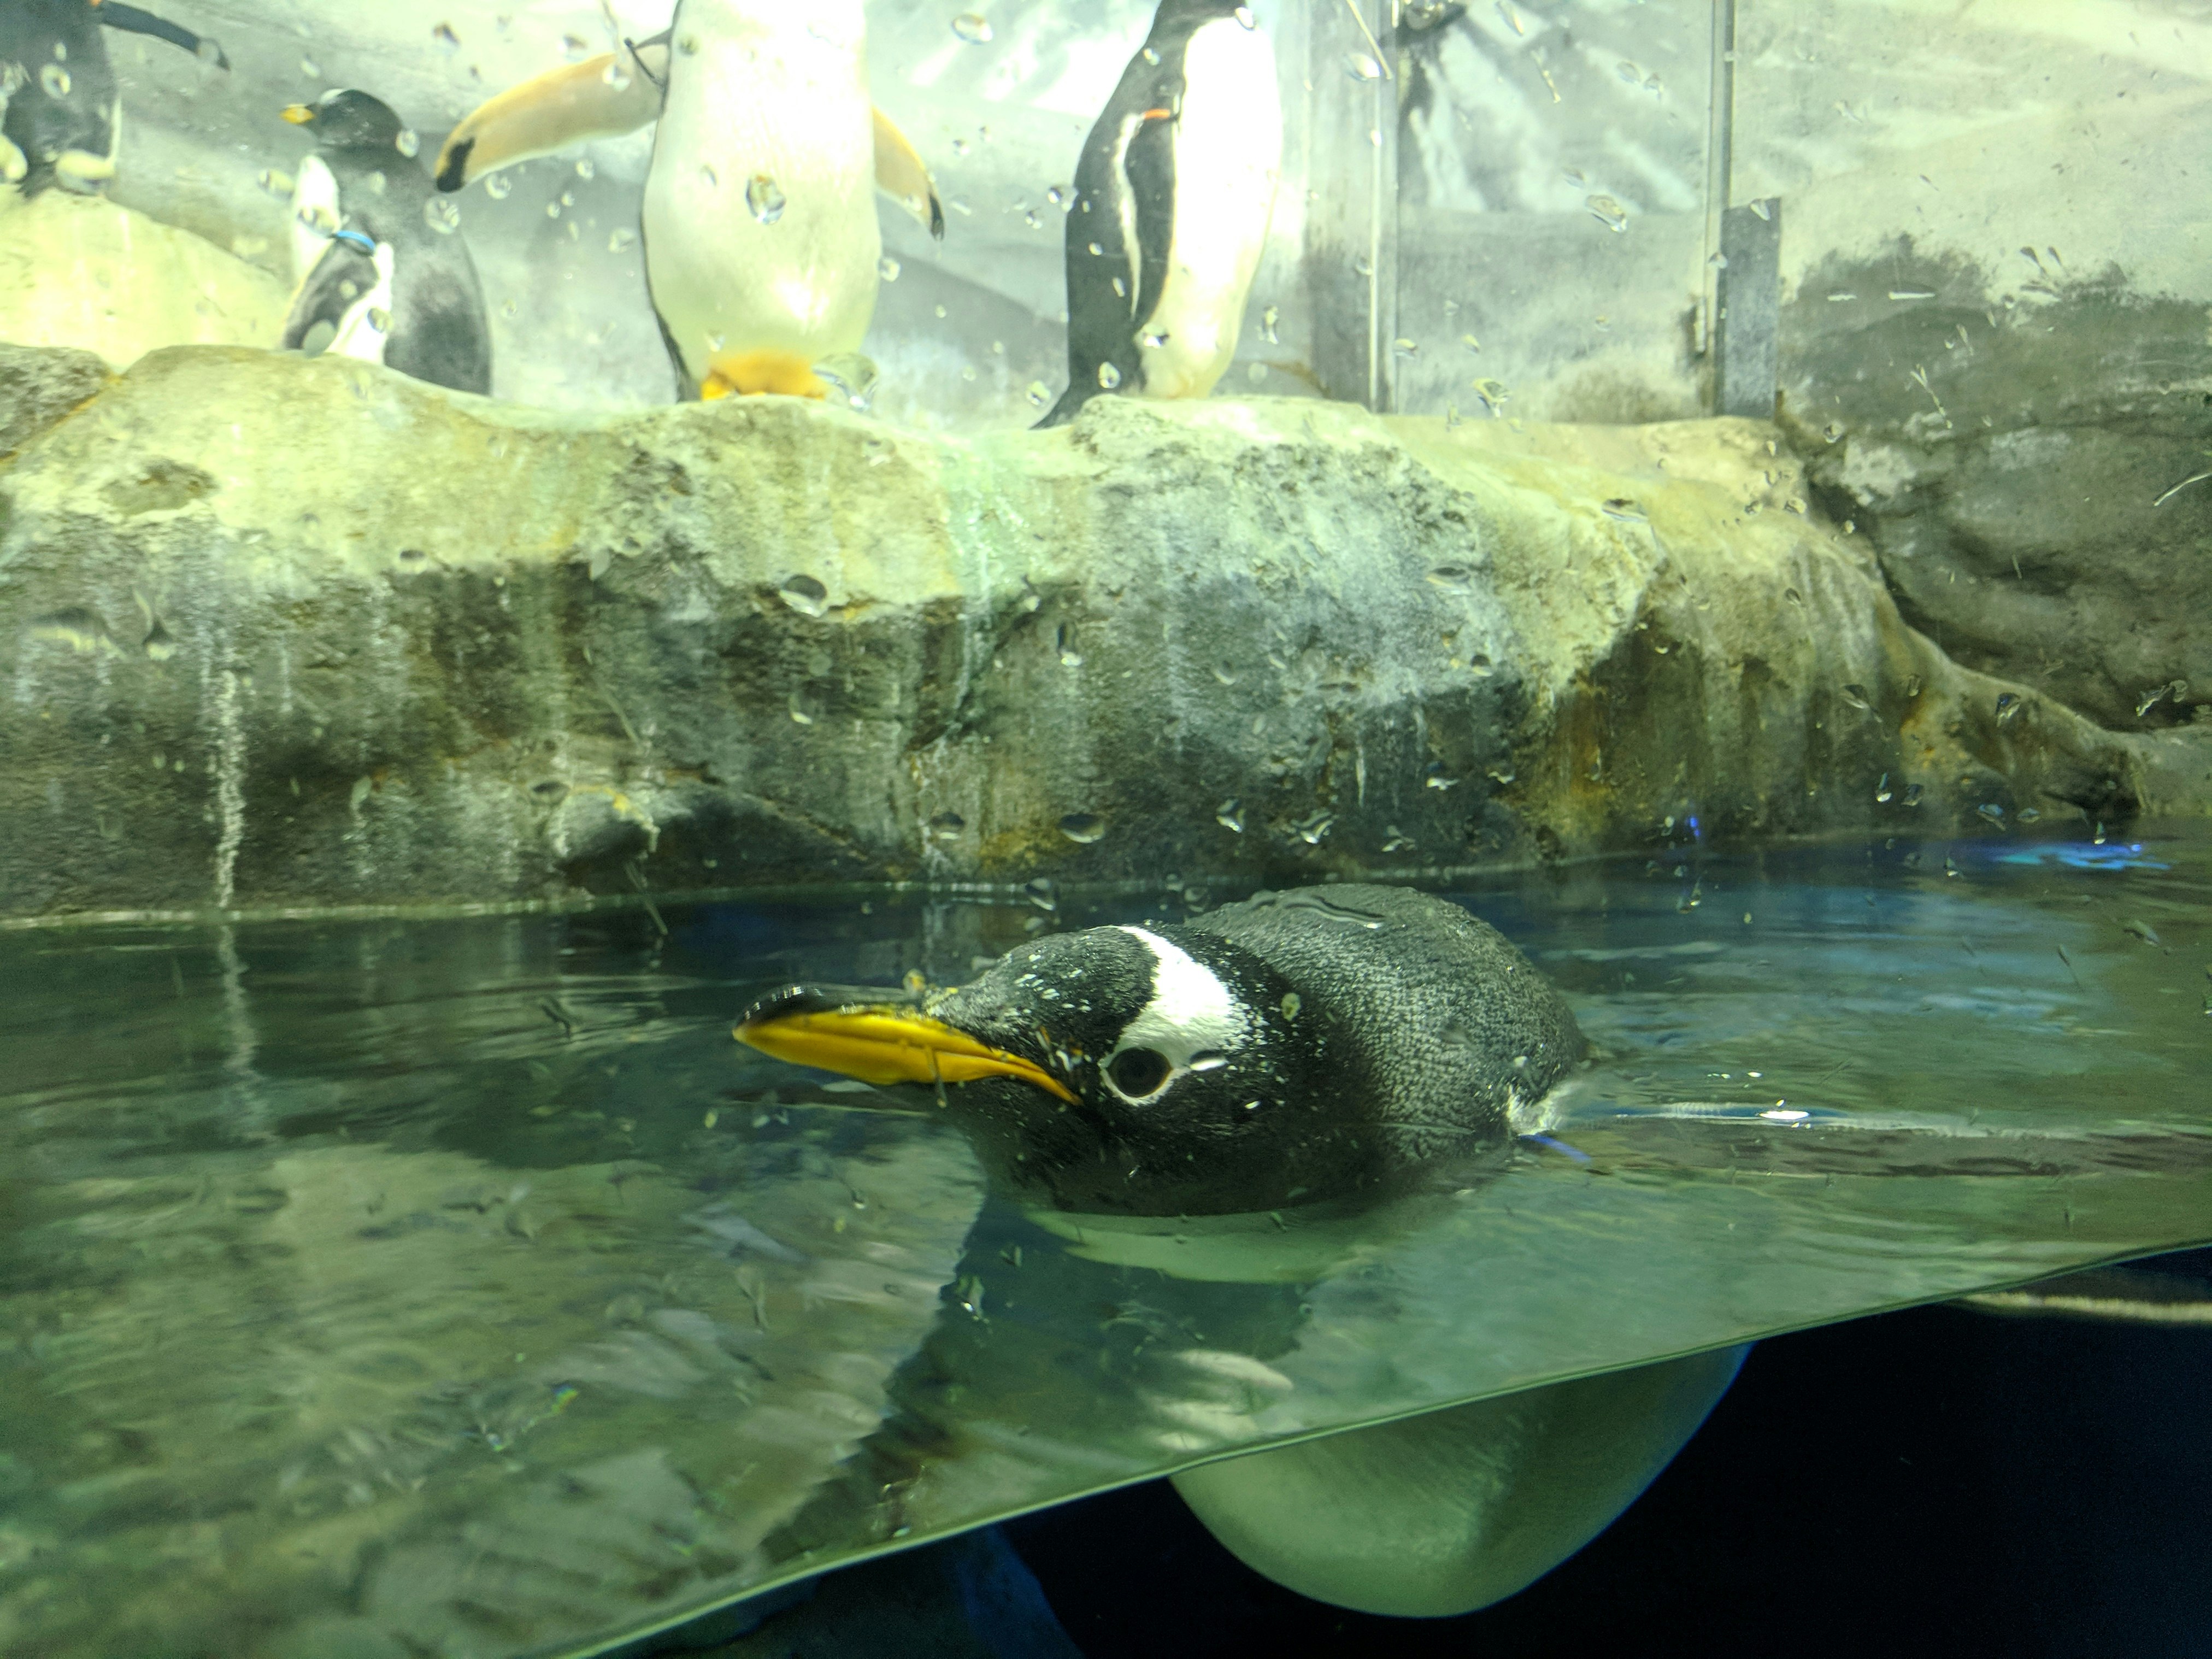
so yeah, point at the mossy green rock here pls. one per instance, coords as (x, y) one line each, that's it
(287, 634)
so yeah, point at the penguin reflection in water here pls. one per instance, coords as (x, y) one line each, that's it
(61, 118)
(383, 275)
(1172, 199)
(759, 220)
(1295, 1047)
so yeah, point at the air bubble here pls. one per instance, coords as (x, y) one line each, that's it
(1608, 213)
(805, 595)
(764, 196)
(1083, 828)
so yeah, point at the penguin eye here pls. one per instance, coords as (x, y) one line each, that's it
(1139, 1071)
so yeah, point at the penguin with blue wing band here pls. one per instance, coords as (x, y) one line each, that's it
(1173, 197)
(380, 266)
(762, 246)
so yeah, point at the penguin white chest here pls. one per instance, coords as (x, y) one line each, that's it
(760, 217)
(1228, 155)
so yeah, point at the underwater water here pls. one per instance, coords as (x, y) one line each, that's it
(460, 1285)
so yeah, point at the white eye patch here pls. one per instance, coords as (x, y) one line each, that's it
(1192, 1016)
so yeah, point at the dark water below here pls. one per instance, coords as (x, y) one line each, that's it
(460, 1287)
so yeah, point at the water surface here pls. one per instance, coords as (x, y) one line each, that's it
(460, 1287)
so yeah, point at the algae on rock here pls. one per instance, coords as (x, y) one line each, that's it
(291, 632)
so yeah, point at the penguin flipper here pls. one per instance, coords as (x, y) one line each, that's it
(552, 111)
(901, 175)
(1149, 165)
(132, 20)
(323, 297)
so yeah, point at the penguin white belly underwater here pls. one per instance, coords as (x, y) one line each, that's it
(760, 225)
(1297, 1048)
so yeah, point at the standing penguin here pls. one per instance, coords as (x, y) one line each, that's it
(61, 120)
(759, 220)
(1172, 199)
(377, 261)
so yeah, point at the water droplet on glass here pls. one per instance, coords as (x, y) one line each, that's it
(958, 204)
(1313, 828)
(408, 143)
(446, 39)
(2008, 705)
(1094, 250)
(1230, 815)
(498, 185)
(1030, 219)
(1120, 288)
(1912, 685)
(1991, 811)
(764, 196)
(1913, 293)
(805, 595)
(1608, 213)
(553, 210)
(1363, 266)
(1360, 67)
(622, 241)
(380, 319)
(1151, 57)
(959, 146)
(709, 177)
(888, 268)
(1855, 695)
(1452, 578)
(1399, 841)
(442, 214)
(1621, 507)
(1403, 347)
(797, 705)
(1470, 343)
(279, 185)
(208, 50)
(946, 825)
(1882, 791)
(54, 80)
(1493, 395)
(585, 170)
(615, 75)
(851, 374)
(510, 310)
(1912, 793)
(568, 199)
(1083, 828)
(1244, 18)
(1435, 777)
(1831, 433)
(1108, 376)
(1039, 394)
(576, 48)
(1718, 262)
(1153, 339)
(973, 27)
(311, 69)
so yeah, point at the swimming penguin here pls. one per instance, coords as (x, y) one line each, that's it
(1299, 1045)
(61, 120)
(1172, 199)
(1291, 1047)
(396, 287)
(759, 221)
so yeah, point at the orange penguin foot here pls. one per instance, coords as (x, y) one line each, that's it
(749, 374)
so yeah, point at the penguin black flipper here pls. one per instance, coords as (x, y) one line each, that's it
(331, 288)
(132, 20)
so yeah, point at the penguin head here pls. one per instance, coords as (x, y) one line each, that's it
(1116, 1069)
(346, 119)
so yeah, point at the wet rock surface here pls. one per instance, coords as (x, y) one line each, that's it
(2028, 452)
(292, 633)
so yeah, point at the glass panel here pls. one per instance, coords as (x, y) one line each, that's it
(462, 1282)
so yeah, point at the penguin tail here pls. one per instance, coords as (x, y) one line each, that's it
(1069, 406)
